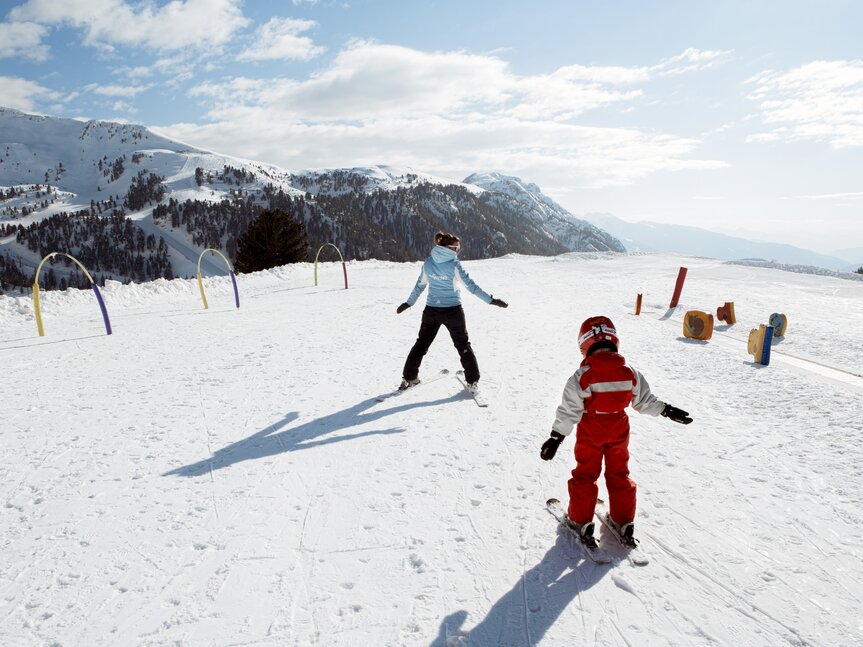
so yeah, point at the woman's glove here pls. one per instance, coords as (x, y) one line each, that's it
(678, 415)
(402, 308)
(500, 303)
(549, 447)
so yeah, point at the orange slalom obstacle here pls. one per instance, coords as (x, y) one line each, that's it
(759, 344)
(678, 287)
(780, 324)
(638, 304)
(726, 313)
(698, 325)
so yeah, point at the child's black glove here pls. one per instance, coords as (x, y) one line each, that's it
(402, 308)
(678, 415)
(549, 447)
(500, 303)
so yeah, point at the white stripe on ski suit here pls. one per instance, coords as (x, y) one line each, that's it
(440, 271)
(571, 407)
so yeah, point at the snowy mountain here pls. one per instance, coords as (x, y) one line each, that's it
(67, 185)
(575, 234)
(853, 256)
(680, 239)
(227, 477)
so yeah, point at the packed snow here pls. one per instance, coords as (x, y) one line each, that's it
(228, 476)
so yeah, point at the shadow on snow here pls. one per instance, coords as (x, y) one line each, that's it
(278, 438)
(526, 612)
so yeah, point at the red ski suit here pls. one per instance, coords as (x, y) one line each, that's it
(594, 399)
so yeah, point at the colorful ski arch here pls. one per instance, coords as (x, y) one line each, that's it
(344, 267)
(95, 287)
(230, 269)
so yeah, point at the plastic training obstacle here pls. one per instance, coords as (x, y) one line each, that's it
(230, 269)
(342, 258)
(759, 344)
(36, 305)
(638, 304)
(678, 287)
(779, 322)
(698, 325)
(726, 313)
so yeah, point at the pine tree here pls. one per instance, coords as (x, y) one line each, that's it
(274, 238)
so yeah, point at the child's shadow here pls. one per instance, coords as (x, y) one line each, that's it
(526, 612)
(276, 439)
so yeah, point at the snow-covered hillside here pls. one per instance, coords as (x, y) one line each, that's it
(227, 477)
(575, 234)
(194, 199)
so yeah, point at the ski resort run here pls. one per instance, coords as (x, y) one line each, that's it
(228, 476)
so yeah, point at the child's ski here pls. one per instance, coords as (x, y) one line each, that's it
(556, 509)
(386, 396)
(476, 394)
(635, 556)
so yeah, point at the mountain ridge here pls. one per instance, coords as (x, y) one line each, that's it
(188, 199)
(648, 236)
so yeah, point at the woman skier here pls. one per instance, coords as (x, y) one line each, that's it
(440, 272)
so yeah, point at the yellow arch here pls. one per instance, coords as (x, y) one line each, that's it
(230, 269)
(36, 303)
(342, 258)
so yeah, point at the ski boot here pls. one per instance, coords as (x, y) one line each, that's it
(406, 384)
(626, 531)
(584, 532)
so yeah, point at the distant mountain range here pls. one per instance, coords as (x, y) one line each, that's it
(137, 206)
(693, 241)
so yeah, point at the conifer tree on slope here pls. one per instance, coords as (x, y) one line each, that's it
(274, 238)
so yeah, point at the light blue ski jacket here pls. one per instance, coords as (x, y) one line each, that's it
(440, 272)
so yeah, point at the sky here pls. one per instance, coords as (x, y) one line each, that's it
(739, 117)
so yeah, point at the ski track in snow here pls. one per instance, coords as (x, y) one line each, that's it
(227, 477)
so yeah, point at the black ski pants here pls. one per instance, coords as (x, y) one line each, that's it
(432, 320)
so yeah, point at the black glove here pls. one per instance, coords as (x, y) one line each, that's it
(549, 447)
(678, 415)
(499, 303)
(402, 308)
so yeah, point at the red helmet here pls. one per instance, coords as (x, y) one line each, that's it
(597, 330)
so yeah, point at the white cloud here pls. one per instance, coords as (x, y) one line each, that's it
(116, 90)
(280, 39)
(821, 101)
(180, 24)
(691, 60)
(122, 106)
(23, 39)
(449, 112)
(22, 94)
(833, 196)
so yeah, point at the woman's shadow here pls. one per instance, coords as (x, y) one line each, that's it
(526, 612)
(279, 438)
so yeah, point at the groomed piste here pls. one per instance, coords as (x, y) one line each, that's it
(221, 476)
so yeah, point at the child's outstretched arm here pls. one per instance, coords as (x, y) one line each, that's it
(678, 415)
(567, 416)
(644, 401)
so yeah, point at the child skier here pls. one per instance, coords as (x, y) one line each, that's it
(594, 399)
(443, 307)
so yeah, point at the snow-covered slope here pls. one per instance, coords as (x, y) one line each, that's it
(226, 477)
